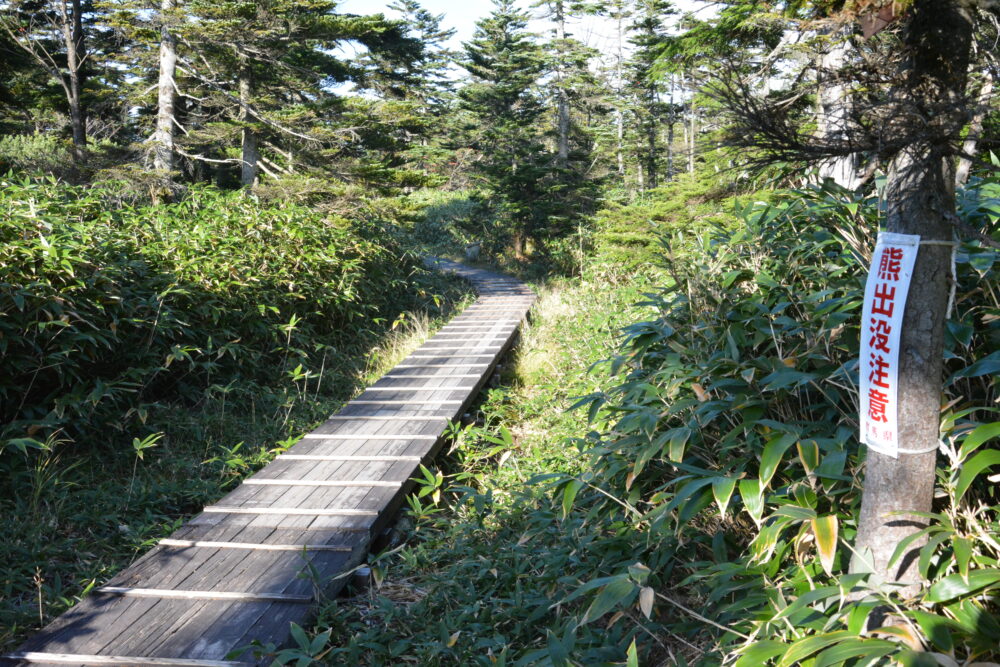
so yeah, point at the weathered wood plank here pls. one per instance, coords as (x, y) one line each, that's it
(230, 575)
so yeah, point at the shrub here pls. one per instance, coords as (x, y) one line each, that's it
(109, 309)
(730, 446)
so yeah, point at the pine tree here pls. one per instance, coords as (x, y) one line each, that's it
(505, 64)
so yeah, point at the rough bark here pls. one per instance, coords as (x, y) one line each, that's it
(562, 97)
(163, 158)
(920, 199)
(975, 132)
(71, 20)
(693, 134)
(250, 167)
(619, 114)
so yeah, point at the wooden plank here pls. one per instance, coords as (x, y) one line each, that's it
(318, 482)
(407, 402)
(80, 659)
(346, 457)
(425, 377)
(366, 436)
(389, 418)
(187, 544)
(202, 595)
(455, 365)
(444, 388)
(289, 511)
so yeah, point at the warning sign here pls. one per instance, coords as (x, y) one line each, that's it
(881, 320)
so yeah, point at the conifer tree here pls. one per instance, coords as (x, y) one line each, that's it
(505, 64)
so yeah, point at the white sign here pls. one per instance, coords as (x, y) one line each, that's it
(881, 321)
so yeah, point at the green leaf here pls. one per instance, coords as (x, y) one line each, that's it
(936, 628)
(972, 468)
(963, 554)
(805, 647)
(825, 529)
(981, 434)
(774, 450)
(989, 365)
(808, 454)
(614, 593)
(954, 585)
(806, 599)
(753, 498)
(760, 652)
(569, 495)
(855, 648)
(678, 441)
(632, 656)
(722, 490)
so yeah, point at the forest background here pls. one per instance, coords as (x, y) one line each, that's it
(213, 215)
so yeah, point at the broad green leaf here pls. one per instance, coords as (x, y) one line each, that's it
(855, 648)
(979, 435)
(989, 365)
(678, 441)
(774, 450)
(753, 498)
(632, 656)
(972, 468)
(808, 454)
(796, 512)
(806, 599)
(569, 495)
(825, 528)
(954, 585)
(760, 652)
(805, 647)
(963, 554)
(936, 628)
(613, 594)
(722, 490)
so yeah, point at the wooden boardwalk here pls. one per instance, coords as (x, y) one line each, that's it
(233, 573)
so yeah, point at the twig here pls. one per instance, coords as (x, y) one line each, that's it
(700, 617)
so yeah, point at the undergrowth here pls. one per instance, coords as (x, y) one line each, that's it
(706, 514)
(153, 356)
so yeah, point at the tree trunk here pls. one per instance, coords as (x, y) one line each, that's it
(670, 133)
(619, 113)
(834, 102)
(975, 131)
(920, 199)
(163, 138)
(562, 97)
(693, 134)
(73, 39)
(250, 157)
(651, 163)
